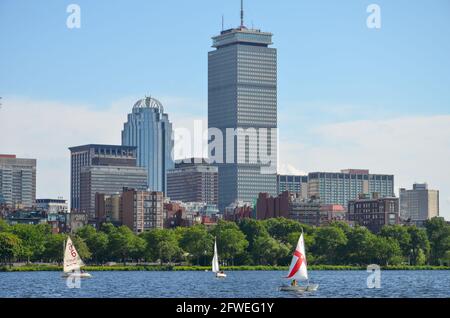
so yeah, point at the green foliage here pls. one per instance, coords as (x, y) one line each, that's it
(124, 245)
(280, 228)
(231, 242)
(10, 247)
(97, 243)
(250, 243)
(439, 235)
(162, 245)
(269, 251)
(329, 244)
(198, 243)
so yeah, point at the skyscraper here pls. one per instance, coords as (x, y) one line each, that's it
(148, 128)
(17, 181)
(419, 203)
(242, 96)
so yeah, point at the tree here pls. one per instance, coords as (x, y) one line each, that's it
(419, 246)
(360, 241)
(329, 244)
(10, 247)
(96, 241)
(385, 251)
(439, 235)
(197, 242)
(269, 251)
(4, 227)
(231, 242)
(34, 238)
(123, 244)
(252, 229)
(280, 228)
(161, 245)
(401, 235)
(54, 248)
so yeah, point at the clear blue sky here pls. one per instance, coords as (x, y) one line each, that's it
(331, 67)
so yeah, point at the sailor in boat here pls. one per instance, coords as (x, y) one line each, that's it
(294, 283)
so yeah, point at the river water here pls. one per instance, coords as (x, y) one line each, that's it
(238, 284)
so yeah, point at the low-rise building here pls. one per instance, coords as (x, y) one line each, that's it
(332, 213)
(374, 213)
(52, 206)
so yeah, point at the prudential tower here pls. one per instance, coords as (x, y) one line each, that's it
(242, 96)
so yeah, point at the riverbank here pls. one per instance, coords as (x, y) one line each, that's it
(36, 267)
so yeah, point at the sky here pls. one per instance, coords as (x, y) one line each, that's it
(348, 96)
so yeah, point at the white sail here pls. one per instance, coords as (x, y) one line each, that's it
(215, 260)
(72, 260)
(298, 269)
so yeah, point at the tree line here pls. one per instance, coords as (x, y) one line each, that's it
(248, 242)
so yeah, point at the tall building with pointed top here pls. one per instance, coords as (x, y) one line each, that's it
(148, 128)
(242, 94)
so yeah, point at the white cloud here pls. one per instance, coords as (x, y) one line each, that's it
(414, 149)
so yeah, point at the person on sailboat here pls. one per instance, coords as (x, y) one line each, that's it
(294, 283)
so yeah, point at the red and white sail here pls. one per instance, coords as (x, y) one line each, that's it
(298, 269)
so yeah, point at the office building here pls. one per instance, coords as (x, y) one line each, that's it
(108, 180)
(148, 129)
(193, 181)
(96, 155)
(17, 181)
(341, 187)
(242, 98)
(374, 213)
(419, 204)
(294, 184)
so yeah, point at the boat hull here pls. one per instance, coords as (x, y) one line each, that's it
(221, 275)
(76, 275)
(308, 288)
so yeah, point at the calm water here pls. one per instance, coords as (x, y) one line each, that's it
(240, 284)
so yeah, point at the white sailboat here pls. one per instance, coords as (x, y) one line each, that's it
(215, 263)
(73, 262)
(298, 270)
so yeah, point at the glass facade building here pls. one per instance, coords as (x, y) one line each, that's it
(148, 129)
(242, 95)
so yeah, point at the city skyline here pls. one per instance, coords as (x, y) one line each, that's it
(386, 104)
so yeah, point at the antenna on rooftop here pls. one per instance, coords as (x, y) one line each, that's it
(222, 22)
(242, 13)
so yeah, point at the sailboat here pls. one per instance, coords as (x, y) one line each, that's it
(298, 270)
(73, 262)
(215, 263)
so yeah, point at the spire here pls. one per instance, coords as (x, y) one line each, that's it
(242, 13)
